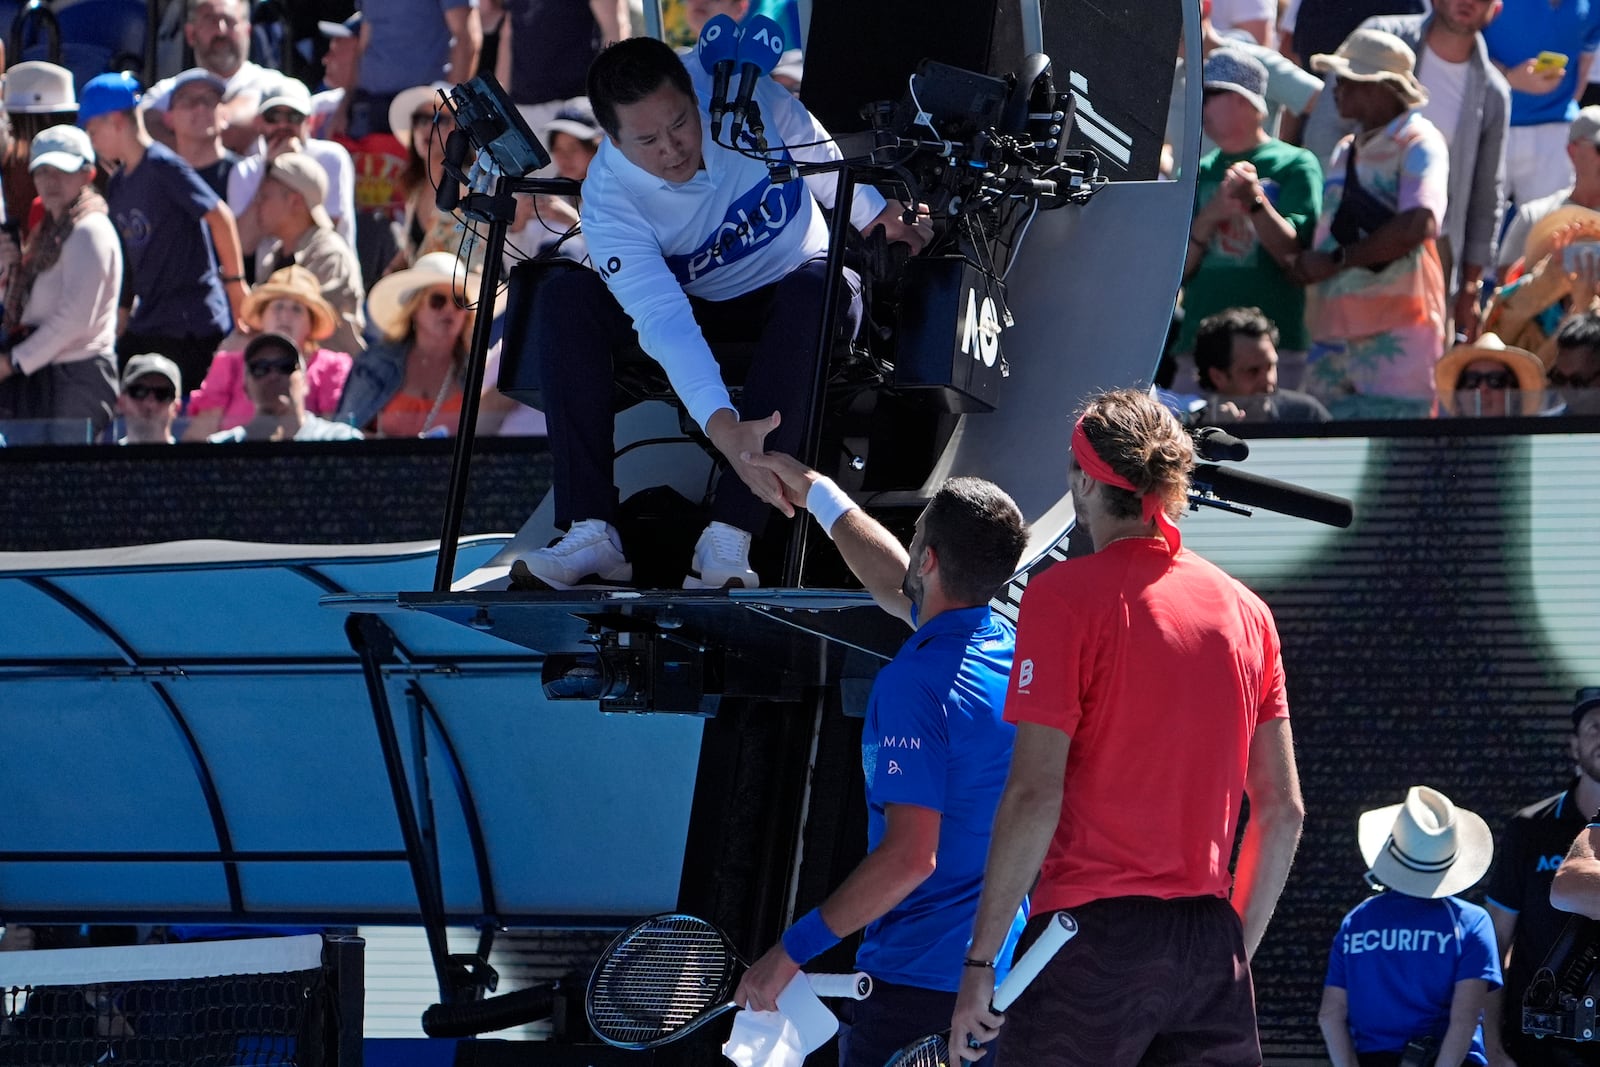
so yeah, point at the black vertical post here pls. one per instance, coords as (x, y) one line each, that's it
(461, 464)
(344, 957)
(827, 337)
(374, 644)
(499, 208)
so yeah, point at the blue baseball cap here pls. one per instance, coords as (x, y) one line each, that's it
(106, 93)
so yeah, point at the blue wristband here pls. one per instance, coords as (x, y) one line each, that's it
(808, 937)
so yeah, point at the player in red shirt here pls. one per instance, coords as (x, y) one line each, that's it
(1163, 677)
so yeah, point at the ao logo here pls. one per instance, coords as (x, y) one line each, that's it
(981, 335)
(713, 32)
(767, 38)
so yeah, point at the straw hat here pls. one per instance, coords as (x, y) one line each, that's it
(1426, 847)
(1375, 56)
(1528, 368)
(1540, 234)
(293, 282)
(386, 302)
(408, 102)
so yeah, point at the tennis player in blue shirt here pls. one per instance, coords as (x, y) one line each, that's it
(935, 752)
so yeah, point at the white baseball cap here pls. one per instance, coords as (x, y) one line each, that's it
(66, 148)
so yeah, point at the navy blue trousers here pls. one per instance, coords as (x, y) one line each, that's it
(578, 325)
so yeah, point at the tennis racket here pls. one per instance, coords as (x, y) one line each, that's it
(934, 1050)
(668, 975)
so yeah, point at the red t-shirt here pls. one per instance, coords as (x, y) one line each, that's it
(1159, 668)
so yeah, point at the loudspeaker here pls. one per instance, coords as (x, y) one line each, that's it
(857, 52)
(1117, 57)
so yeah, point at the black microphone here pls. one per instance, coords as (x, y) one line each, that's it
(456, 147)
(1252, 490)
(760, 45)
(718, 50)
(1218, 444)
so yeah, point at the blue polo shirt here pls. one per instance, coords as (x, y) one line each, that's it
(1398, 958)
(934, 737)
(1523, 30)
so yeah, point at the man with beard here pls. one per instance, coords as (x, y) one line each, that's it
(219, 33)
(934, 750)
(1526, 923)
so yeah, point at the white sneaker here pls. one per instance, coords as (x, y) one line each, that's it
(589, 554)
(721, 560)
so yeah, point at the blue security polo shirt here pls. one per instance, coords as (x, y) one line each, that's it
(1399, 958)
(934, 737)
(1571, 27)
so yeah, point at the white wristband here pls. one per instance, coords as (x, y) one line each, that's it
(826, 502)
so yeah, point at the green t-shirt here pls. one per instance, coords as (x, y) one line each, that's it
(1237, 271)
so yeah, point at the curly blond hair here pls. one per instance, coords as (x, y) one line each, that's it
(1142, 441)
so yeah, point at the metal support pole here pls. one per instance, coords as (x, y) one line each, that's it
(374, 644)
(498, 208)
(827, 337)
(461, 462)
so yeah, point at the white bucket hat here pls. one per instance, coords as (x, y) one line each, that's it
(1426, 847)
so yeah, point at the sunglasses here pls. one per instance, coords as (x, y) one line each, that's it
(281, 116)
(1473, 379)
(422, 118)
(165, 394)
(1573, 381)
(260, 368)
(440, 301)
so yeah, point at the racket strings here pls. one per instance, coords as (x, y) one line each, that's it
(929, 1052)
(660, 979)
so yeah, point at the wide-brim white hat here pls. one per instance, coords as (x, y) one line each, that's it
(386, 303)
(409, 101)
(1427, 846)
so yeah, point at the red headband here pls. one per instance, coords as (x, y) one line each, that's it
(1152, 508)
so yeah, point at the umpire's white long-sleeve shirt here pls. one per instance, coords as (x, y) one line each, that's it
(726, 232)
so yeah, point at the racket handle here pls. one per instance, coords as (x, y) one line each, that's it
(856, 986)
(1061, 930)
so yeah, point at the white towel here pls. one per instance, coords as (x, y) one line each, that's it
(782, 1038)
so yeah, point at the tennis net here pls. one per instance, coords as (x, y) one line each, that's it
(271, 1001)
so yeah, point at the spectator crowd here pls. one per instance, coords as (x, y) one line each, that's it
(237, 253)
(1397, 212)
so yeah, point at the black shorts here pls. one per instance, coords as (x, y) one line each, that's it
(1145, 982)
(873, 1030)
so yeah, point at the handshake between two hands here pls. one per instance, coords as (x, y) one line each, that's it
(779, 479)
